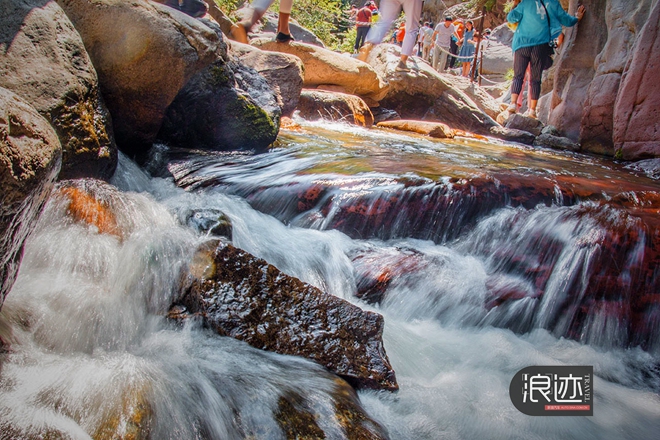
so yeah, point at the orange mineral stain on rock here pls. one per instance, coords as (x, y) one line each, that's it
(84, 208)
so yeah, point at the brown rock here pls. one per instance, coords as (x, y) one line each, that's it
(519, 122)
(283, 72)
(43, 60)
(244, 297)
(30, 158)
(433, 129)
(324, 67)
(144, 54)
(298, 418)
(317, 104)
(637, 111)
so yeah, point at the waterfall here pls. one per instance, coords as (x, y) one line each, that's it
(513, 285)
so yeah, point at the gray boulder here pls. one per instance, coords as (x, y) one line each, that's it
(144, 54)
(283, 72)
(44, 61)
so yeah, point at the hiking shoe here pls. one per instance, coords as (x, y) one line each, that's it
(402, 67)
(239, 32)
(283, 38)
(363, 53)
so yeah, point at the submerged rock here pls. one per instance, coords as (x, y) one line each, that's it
(317, 104)
(246, 298)
(298, 419)
(30, 159)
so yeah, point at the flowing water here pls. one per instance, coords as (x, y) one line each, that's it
(501, 257)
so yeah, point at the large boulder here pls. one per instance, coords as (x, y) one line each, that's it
(588, 70)
(318, 104)
(624, 21)
(637, 111)
(324, 67)
(227, 106)
(144, 54)
(426, 94)
(246, 298)
(43, 60)
(30, 159)
(283, 72)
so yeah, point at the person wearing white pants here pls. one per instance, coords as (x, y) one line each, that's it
(240, 30)
(389, 11)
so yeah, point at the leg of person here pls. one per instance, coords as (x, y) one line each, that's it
(454, 51)
(413, 10)
(436, 57)
(536, 71)
(283, 31)
(240, 30)
(389, 11)
(442, 64)
(521, 59)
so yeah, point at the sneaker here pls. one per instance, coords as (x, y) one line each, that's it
(239, 32)
(512, 108)
(363, 53)
(402, 67)
(531, 114)
(283, 38)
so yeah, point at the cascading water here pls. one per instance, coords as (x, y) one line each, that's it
(472, 290)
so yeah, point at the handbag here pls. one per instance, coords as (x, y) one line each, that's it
(548, 50)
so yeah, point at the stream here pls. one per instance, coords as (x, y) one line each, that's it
(496, 256)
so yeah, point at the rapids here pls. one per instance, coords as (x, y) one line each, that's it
(500, 257)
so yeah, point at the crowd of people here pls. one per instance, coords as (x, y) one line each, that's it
(449, 44)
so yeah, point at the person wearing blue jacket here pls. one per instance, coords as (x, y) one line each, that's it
(538, 23)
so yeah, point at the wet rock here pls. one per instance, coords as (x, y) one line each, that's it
(512, 135)
(325, 67)
(86, 208)
(376, 269)
(30, 159)
(557, 142)
(650, 167)
(44, 61)
(433, 129)
(144, 54)
(130, 418)
(244, 297)
(298, 419)
(283, 72)
(208, 221)
(215, 111)
(519, 122)
(316, 104)
(637, 110)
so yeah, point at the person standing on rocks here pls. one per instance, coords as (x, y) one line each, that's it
(539, 22)
(442, 43)
(389, 11)
(240, 30)
(468, 43)
(362, 24)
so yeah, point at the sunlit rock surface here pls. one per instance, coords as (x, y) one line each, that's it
(246, 298)
(334, 106)
(44, 61)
